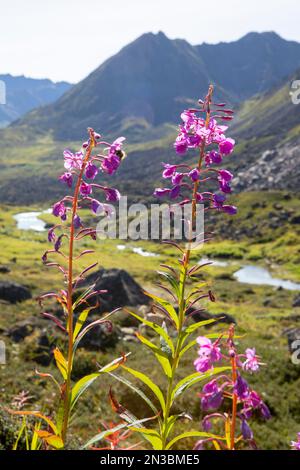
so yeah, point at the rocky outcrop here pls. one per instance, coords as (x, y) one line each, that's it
(121, 288)
(274, 169)
(13, 293)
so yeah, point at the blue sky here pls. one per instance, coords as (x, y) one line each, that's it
(67, 39)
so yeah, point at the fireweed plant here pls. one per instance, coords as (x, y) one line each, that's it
(200, 130)
(82, 169)
(245, 402)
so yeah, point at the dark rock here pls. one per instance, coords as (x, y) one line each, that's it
(295, 220)
(121, 288)
(292, 334)
(100, 338)
(4, 269)
(21, 330)
(42, 353)
(198, 316)
(13, 292)
(296, 301)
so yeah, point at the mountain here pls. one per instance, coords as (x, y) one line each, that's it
(268, 129)
(144, 87)
(266, 126)
(24, 94)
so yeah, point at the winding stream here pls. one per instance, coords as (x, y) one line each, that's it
(248, 274)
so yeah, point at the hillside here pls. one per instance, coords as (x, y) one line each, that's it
(24, 94)
(146, 85)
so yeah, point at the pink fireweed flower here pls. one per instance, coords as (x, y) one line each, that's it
(85, 189)
(251, 362)
(91, 171)
(169, 170)
(211, 396)
(112, 195)
(110, 164)
(208, 354)
(67, 178)
(73, 160)
(59, 210)
(226, 146)
(194, 174)
(295, 445)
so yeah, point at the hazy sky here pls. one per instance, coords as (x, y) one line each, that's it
(67, 39)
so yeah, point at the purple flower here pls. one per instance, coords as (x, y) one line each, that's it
(51, 235)
(295, 445)
(176, 178)
(59, 210)
(161, 192)
(265, 412)
(57, 244)
(251, 362)
(110, 164)
(67, 178)
(231, 210)
(208, 354)
(246, 430)
(212, 396)
(77, 222)
(85, 189)
(91, 171)
(168, 170)
(96, 206)
(225, 175)
(226, 146)
(218, 200)
(194, 174)
(241, 387)
(73, 160)
(175, 191)
(181, 144)
(215, 157)
(224, 187)
(116, 146)
(112, 195)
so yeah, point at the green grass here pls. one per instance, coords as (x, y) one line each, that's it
(261, 313)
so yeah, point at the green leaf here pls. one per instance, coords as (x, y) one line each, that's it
(158, 329)
(81, 386)
(61, 363)
(191, 379)
(161, 356)
(151, 435)
(136, 390)
(167, 306)
(187, 347)
(147, 381)
(171, 280)
(190, 434)
(81, 320)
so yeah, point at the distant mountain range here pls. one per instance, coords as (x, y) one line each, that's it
(140, 93)
(24, 94)
(146, 85)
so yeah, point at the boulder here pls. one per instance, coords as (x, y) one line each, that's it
(100, 338)
(21, 330)
(121, 288)
(292, 334)
(13, 292)
(4, 269)
(296, 301)
(204, 315)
